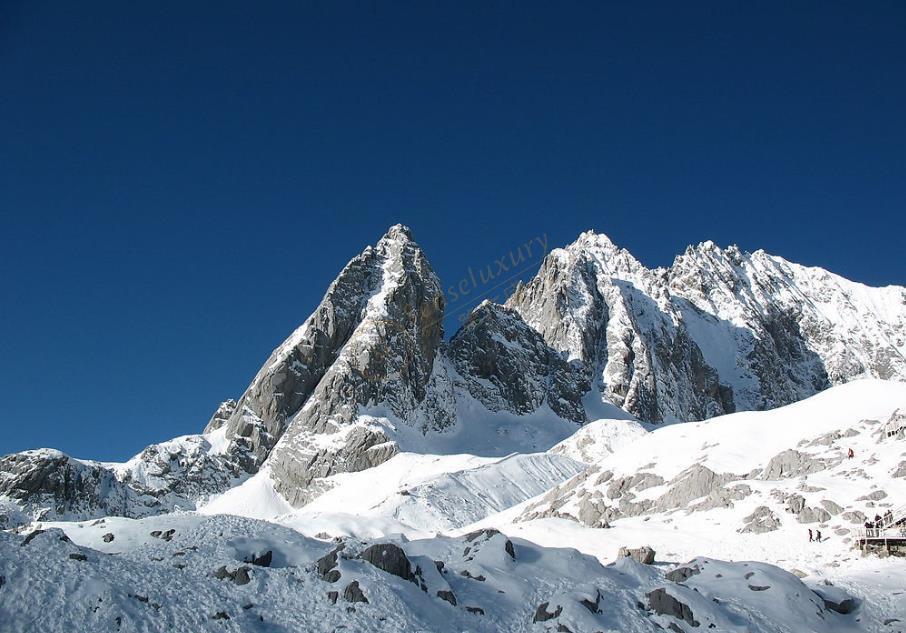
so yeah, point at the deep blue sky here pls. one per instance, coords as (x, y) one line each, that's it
(179, 185)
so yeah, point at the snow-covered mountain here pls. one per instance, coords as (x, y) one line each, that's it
(362, 477)
(719, 331)
(368, 374)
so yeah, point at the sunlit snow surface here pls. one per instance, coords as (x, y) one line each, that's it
(429, 502)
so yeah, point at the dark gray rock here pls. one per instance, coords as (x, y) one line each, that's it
(663, 603)
(682, 574)
(543, 615)
(443, 594)
(108, 537)
(30, 537)
(507, 366)
(261, 561)
(326, 566)
(238, 576)
(353, 593)
(389, 558)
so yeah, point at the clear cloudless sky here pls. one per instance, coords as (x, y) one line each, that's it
(180, 181)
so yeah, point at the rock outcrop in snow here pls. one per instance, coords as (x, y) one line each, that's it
(763, 470)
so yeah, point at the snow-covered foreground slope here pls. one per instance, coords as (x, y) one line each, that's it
(420, 548)
(747, 486)
(193, 573)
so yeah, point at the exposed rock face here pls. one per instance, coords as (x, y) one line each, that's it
(372, 340)
(375, 345)
(718, 331)
(48, 484)
(221, 416)
(507, 366)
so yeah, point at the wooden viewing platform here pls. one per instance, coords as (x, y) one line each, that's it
(887, 536)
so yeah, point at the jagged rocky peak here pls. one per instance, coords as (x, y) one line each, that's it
(720, 330)
(597, 304)
(507, 366)
(374, 340)
(379, 294)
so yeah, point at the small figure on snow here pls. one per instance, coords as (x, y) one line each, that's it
(850, 454)
(810, 537)
(818, 536)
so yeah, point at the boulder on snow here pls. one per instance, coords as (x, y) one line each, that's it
(543, 615)
(644, 554)
(353, 593)
(447, 595)
(663, 603)
(761, 520)
(326, 565)
(261, 561)
(108, 537)
(682, 574)
(791, 463)
(389, 558)
(239, 576)
(487, 534)
(836, 599)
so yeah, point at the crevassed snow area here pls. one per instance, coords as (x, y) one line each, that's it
(412, 494)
